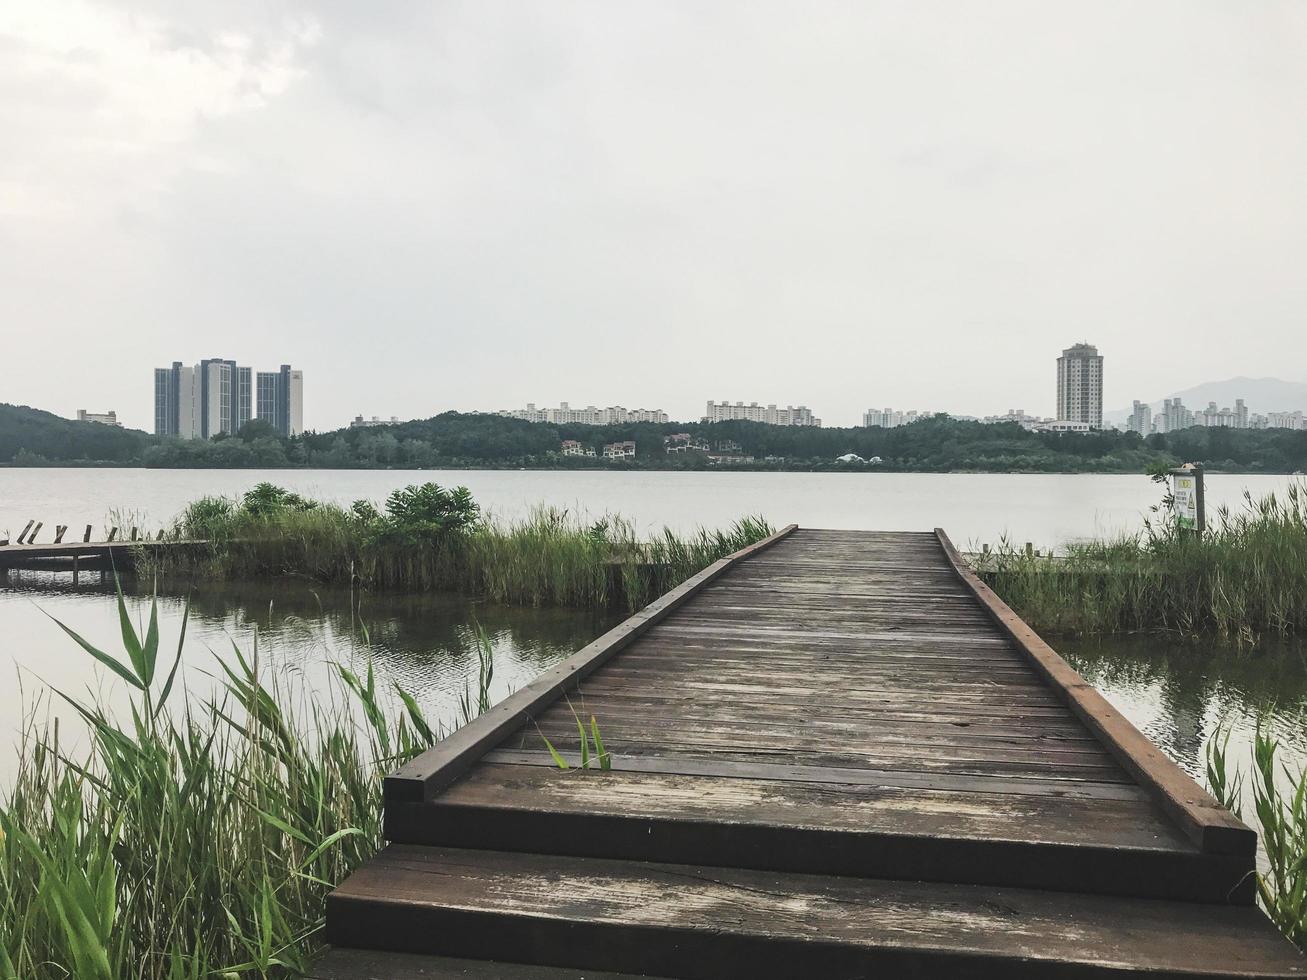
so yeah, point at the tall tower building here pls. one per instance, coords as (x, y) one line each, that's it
(280, 399)
(1141, 418)
(1080, 385)
(175, 405)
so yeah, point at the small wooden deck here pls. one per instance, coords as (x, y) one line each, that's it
(836, 754)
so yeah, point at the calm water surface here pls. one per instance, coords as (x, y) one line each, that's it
(1046, 510)
(425, 643)
(1177, 693)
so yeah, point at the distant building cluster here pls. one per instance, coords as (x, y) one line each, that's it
(1174, 416)
(564, 414)
(217, 395)
(361, 423)
(888, 418)
(683, 442)
(106, 418)
(753, 412)
(1032, 423)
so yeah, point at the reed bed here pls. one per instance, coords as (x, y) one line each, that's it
(1246, 577)
(195, 840)
(549, 558)
(1279, 796)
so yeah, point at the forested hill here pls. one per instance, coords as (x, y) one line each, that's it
(453, 440)
(29, 436)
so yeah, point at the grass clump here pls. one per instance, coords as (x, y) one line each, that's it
(196, 841)
(433, 538)
(1246, 576)
(1280, 805)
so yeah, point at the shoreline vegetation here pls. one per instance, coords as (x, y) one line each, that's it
(936, 444)
(196, 838)
(429, 538)
(200, 840)
(1246, 577)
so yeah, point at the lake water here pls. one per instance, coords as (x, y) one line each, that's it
(972, 508)
(425, 643)
(1177, 693)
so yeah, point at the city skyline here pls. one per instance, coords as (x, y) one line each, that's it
(266, 404)
(817, 210)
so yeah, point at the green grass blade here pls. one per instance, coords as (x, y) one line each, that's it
(104, 658)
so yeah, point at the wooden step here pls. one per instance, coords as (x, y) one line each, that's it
(951, 833)
(367, 964)
(711, 923)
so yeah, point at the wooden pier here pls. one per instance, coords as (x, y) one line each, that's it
(833, 755)
(116, 555)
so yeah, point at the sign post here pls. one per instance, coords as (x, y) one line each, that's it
(1187, 504)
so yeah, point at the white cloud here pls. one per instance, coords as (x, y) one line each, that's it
(473, 204)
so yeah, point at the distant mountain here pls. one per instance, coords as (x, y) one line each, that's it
(1259, 394)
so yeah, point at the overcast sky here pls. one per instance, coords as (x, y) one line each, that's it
(474, 205)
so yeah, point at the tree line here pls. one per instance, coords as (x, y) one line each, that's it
(29, 437)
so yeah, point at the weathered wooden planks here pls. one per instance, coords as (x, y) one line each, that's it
(720, 923)
(831, 756)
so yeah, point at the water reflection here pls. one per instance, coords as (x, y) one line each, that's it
(424, 643)
(1180, 693)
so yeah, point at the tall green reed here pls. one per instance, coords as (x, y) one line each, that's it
(196, 839)
(551, 557)
(1280, 806)
(1245, 577)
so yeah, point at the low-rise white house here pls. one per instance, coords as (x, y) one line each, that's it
(619, 450)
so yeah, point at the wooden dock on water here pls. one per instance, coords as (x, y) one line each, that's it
(834, 755)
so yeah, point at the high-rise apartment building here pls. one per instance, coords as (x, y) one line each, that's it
(1141, 418)
(1080, 385)
(219, 395)
(176, 407)
(753, 412)
(280, 400)
(224, 397)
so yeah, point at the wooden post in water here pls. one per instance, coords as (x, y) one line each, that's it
(75, 575)
(31, 538)
(133, 534)
(59, 531)
(23, 535)
(113, 533)
(87, 535)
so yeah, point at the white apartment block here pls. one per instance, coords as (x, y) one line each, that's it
(565, 414)
(753, 412)
(1285, 420)
(1080, 385)
(1031, 423)
(888, 418)
(361, 423)
(106, 418)
(1141, 418)
(1223, 418)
